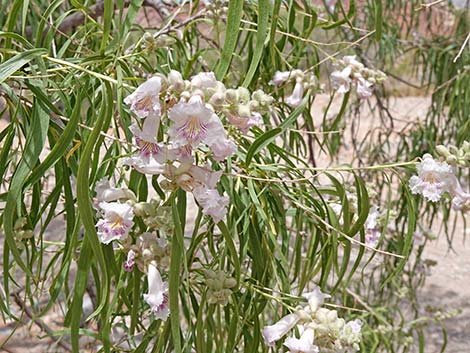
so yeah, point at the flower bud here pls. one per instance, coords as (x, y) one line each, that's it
(217, 99)
(244, 94)
(231, 96)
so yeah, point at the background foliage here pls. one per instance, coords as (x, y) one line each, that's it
(64, 73)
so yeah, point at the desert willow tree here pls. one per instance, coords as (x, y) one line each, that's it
(161, 160)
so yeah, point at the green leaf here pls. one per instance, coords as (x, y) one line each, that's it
(265, 8)
(378, 20)
(18, 61)
(235, 11)
(260, 143)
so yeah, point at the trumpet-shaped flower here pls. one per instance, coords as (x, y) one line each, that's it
(297, 95)
(244, 123)
(315, 298)
(204, 81)
(433, 179)
(275, 332)
(117, 221)
(213, 204)
(372, 231)
(157, 296)
(341, 80)
(105, 192)
(304, 344)
(192, 122)
(283, 76)
(145, 100)
(219, 144)
(364, 88)
(130, 261)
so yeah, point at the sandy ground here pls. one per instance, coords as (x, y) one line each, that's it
(447, 285)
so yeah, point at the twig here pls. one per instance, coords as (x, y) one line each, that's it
(462, 47)
(39, 322)
(78, 18)
(427, 6)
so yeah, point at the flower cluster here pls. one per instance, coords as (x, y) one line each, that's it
(118, 207)
(303, 82)
(455, 156)
(319, 328)
(189, 113)
(434, 179)
(219, 287)
(353, 73)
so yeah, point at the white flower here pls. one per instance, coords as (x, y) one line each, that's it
(433, 179)
(372, 231)
(149, 147)
(192, 121)
(175, 80)
(297, 95)
(151, 167)
(145, 100)
(281, 77)
(275, 332)
(130, 261)
(245, 123)
(461, 201)
(219, 144)
(341, 80)
(304, 344)
(315, 298)
(157, 296)
(105, 192)
(213, 204)
(364, 88)
(351, 334)
(350, 60)
(204, 81)
(117, 221)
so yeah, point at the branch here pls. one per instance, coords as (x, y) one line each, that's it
(39, 322)
(78, 18)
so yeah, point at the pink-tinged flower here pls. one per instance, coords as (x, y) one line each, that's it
(364, 88)
(145, 100)
(297, 95)
(350, 60)
(204, 81)
(146, 137)
(105, 192)
(192, 121)
(117, 221)
(315, 298)
(151, 167)
(245, 123)
(461, 201)
(433, 179)
(275, 332)
(372, 231)
(157, 296)
(341, 80)
(219, 144)
(283, 76)
(213, 204)
(130, 261)
(304, 344)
